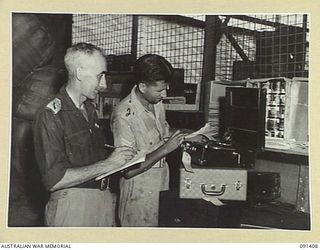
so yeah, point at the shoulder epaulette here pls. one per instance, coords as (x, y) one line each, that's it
(54, 105)
(125, 110)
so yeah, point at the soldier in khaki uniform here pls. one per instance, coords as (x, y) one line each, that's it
(139, 122)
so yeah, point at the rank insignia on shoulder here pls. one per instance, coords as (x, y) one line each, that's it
(54, 105)
(128, 112)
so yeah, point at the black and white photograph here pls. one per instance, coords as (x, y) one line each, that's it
(160, 120)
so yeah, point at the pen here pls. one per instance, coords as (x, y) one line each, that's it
(168, 98)
(111, 146)
(172, 98)
(124, 141)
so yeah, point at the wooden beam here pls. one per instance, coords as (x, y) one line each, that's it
(134, 35)
(182, 20)
(235, 45)
(212, 36)
(256, 20)
(189, 21)
(232, 40)
(261, 21)
(242, 31)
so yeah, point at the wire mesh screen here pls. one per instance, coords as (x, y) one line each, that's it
(181, 45)
(259, 46)
(111, 32)
(227, 57)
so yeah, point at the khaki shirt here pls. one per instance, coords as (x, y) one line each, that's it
(134, 126)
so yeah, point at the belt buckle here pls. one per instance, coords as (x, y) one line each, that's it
(159, 164)
(104, 184)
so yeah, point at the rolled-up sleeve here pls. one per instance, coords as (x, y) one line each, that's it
(49, 148)
(122, 132)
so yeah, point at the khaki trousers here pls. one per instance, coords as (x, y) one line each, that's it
(80, 207)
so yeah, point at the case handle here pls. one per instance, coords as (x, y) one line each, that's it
(213, 193)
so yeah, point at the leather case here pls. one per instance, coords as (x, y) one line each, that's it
(224, 184)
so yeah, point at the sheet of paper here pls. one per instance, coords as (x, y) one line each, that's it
(186, 160)
(214, 200)
(140, 157)
(207, 130)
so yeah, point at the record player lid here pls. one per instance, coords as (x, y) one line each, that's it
(245, 117)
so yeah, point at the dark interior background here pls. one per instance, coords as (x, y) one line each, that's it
(39, 43)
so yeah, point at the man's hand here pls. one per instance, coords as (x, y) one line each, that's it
(174, 141)
(198, 138)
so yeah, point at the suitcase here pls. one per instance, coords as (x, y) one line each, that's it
(224, 184)
(196, 213)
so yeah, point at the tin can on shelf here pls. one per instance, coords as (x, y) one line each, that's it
(273, 99)
(282, 99)
(281, 124)
(273, 133)
(255, 85)
(283, 87)
(281, 111)
(272, 123)
(280, 134)
(276, 99)
(268, 99)
(273, 111)
(266, 85)
(276, 86)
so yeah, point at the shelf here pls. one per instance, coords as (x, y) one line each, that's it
(285, 156)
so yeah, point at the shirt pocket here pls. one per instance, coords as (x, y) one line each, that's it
(77, 147)
(98, 136)
(152, 137)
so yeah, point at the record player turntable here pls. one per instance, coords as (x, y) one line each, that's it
(243, 135)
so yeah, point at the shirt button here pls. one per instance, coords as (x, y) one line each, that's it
(150, 143)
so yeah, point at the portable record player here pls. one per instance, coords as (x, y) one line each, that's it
(219, 167)
(243, 134)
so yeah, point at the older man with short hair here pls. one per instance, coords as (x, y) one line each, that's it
(69, 145)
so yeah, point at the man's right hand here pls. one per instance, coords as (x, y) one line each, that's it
(174, 141)
(120, 156)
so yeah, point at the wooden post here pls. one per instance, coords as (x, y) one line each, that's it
(211, 39)
(134, 36)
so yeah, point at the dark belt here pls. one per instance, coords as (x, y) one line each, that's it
(102, 184)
